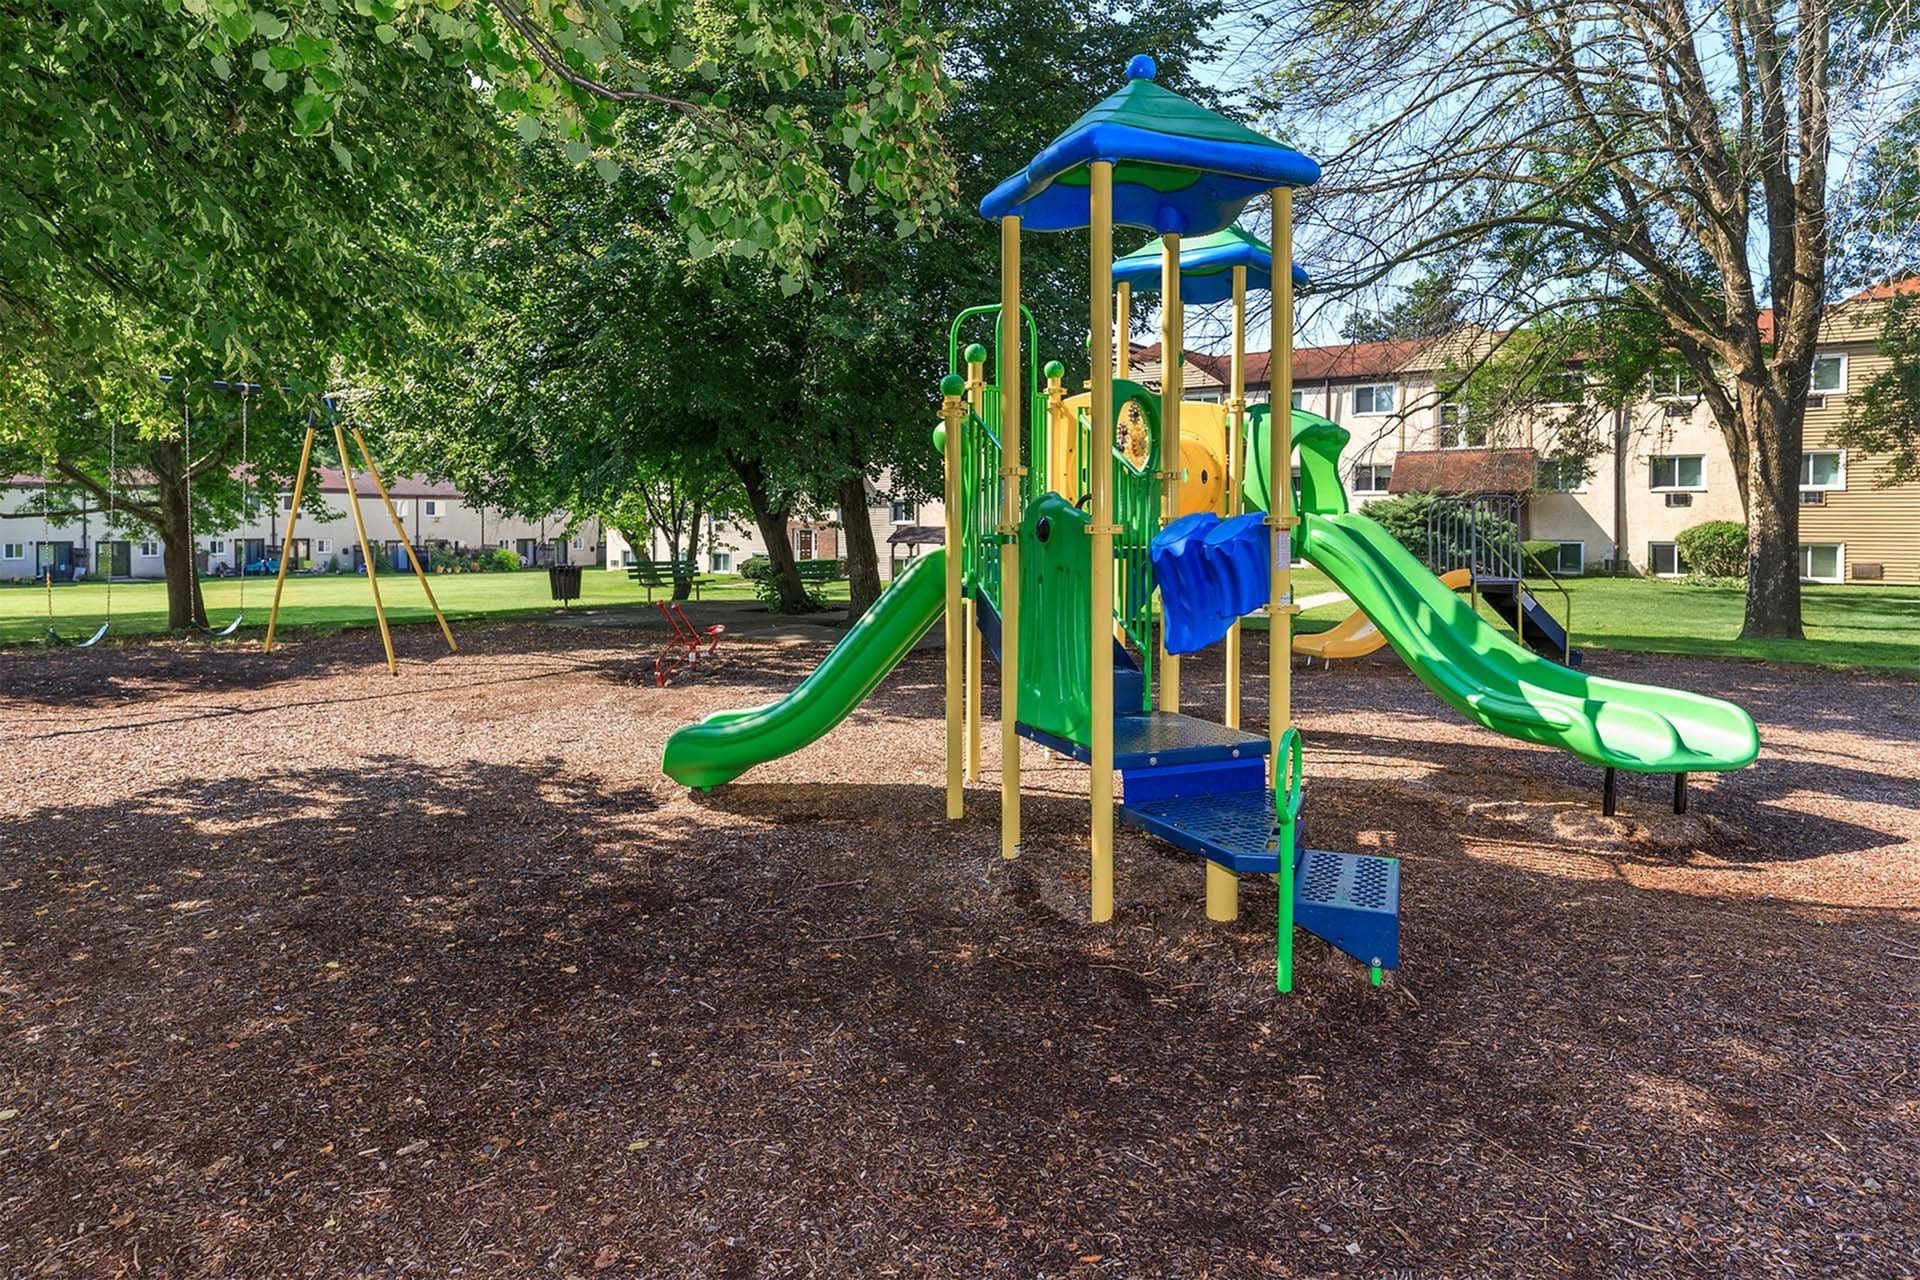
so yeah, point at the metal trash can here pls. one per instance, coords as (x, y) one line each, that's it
(564, 581)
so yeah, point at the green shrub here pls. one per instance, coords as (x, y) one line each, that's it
(756, 569)
(1405, 517)
(767, 588)
(1716, 549)
(1541, 554)
(504, 559)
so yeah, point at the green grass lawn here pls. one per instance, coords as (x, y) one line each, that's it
(321, 603)
(1846, 625)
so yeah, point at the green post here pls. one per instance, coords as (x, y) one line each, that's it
(1287, 796)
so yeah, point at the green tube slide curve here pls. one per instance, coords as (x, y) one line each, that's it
(1474, 667)
(728, 743)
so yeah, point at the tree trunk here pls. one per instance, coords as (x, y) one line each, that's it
(772, 523)
(185, 608)
(863, 558)
(683, 587)
(1773, 513)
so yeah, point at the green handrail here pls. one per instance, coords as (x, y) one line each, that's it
(1287, 796)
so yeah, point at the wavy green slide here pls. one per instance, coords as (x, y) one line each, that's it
(1474, 667)
(728, 743)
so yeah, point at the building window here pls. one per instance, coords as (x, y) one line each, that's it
(1299, 398)
(1674, 382)
(1560, 475)
(1563, 386)
(323, 546)
(286, 502)
(1821, 561)
(1829, 376)
(433, 506)
(903, 512)
(1452, 432)
(1663, 560)
(1570, 558)
(1374, 399)
(722, 562)
(149, 549)
(1680, 471)
(1371, 477)
(216, 547)
(1823, 469)
(803, 542)
(13, 551)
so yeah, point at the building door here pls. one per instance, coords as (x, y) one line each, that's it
(55, 558)
(302, 553)
(113, 558)
(803, 543)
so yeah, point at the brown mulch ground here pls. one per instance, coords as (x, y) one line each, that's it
(307, 971)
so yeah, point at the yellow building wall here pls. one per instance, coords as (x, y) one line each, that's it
(1876, 524)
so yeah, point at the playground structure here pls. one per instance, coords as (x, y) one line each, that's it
(1092, 539)
(1355, 636)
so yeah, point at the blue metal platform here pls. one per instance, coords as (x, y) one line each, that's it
(1160, 738)
(1237, 829)
(1352, 901)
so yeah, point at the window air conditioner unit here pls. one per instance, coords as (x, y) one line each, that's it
(1679, 499)
(1816, 402)
(1813, 498)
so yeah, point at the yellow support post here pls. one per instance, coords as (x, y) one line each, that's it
(977, 398)
(952, 409)
(366, 548)
(1123, 326)
(286, 543)
(1013, 435)
(1236, 464)
(1280, 516)
(1101, 529)
(1172, 388)
(366, 456)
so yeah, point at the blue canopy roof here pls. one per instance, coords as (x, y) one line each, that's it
(1206, 266)
(1178, 167)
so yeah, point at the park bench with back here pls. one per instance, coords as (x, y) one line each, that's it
(661, 575)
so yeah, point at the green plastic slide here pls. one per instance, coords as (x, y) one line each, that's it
(728, 743)
(1474, 667)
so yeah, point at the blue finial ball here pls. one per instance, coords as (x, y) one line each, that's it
(1141, 67)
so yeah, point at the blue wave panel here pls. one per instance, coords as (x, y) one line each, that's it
(1210, 572)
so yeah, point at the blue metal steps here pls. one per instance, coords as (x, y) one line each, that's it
(1352, 902)
(1161, 738)
(1541, 631)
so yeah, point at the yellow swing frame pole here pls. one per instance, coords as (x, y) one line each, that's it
(1280, 514)
(366, 549)
(1173, 385)
(286, 543)
(1123, 326)
(1013, 437)
(1101, 530)
(970, 611)
(952, 410)
(366, 456)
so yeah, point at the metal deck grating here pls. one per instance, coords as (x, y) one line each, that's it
(1237, 829)
(1161, 738)
(1349, 880)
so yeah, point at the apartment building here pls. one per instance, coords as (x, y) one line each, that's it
(1661, 466)
(435, 517)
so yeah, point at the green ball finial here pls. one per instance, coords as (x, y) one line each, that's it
(953, 385)
(1054, 369)
(976, 354)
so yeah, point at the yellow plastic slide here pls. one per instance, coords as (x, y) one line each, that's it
(1356, 636)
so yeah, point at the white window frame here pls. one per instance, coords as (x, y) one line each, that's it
(322, 547)
(1679, 383)
(148, 550)
(1573, 378)
(431, 507)
(1377, 482)
(1675, 458)
(1839, 550)
(909, 512)
(1457, 425)
(1678, 571)
(1806, 469)
(1393, 396)
(720, 561)
(286, 502)
(1840, 387)
(1298, 398)
(216, 546)
(13, 551)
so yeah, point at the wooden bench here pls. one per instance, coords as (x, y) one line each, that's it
(661, 575)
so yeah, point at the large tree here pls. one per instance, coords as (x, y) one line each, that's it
(1672, 159)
